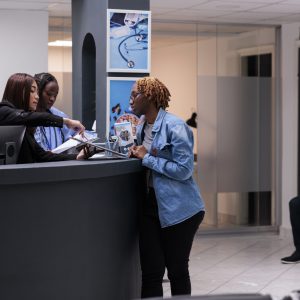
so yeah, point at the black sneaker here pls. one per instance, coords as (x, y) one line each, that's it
(293, 259)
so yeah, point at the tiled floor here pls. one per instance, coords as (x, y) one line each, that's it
(244, 263)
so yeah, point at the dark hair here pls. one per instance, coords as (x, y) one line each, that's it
(18, 89)
(154, 90)
(42, 79)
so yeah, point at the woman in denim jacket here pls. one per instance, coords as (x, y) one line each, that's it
(173, 208)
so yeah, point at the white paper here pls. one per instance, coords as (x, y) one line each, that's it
(70, 143)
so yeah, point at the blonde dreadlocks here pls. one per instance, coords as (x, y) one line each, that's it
(154, 90)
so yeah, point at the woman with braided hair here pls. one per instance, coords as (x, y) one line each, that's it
(173, 208)
(50, 137)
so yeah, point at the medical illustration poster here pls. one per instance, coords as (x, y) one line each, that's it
(118, 107)
(128, 41)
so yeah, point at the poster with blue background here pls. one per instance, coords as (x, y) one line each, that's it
(118, 107)
(128, 41)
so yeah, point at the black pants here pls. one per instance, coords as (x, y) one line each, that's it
(294, 206)
(162, 248)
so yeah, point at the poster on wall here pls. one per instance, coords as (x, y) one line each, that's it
(118, 107)
(128, 41)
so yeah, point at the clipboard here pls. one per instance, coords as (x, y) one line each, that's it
(119, 155)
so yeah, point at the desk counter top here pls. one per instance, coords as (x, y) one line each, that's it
(66, 170)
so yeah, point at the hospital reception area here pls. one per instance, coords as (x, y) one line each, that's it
(149, 149)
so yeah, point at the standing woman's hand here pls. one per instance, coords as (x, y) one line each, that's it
(139, 151)
(130, 151)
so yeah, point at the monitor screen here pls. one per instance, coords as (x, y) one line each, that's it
(11, 138)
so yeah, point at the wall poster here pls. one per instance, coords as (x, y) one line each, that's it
(118, 108)
(128, 41)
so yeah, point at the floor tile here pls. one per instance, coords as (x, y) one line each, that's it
(242, 264)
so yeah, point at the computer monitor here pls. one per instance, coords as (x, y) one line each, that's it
(11, 138)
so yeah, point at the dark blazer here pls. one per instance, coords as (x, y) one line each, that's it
(31, 151)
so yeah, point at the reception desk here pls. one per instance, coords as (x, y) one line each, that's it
(69, 230)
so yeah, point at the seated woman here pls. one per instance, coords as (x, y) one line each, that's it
(18, 107)
(50, 137)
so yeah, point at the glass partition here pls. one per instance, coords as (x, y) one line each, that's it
(235, 117)
(224, 73)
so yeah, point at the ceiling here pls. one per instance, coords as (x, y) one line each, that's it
(58, 8)
(269, 12)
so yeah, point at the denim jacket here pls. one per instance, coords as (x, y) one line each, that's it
(171, 160)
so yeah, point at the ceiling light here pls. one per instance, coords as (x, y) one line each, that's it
(59, 43)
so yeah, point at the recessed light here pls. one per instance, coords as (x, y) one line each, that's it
(59, 43)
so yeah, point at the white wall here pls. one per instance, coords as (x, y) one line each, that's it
(60, 59)
(289, 65)
(60, 65)
(176, 67)
(24, 43)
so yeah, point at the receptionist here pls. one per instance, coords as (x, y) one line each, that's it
(18, 107)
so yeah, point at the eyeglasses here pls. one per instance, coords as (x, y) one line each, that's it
(134, 95)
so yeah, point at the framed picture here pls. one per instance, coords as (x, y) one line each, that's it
(128, 41)
(118, 107)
